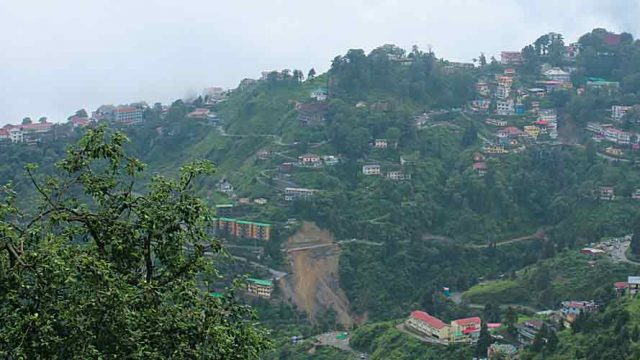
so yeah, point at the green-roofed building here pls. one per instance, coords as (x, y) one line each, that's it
(260, 287)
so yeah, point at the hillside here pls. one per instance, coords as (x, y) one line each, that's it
(417, 175)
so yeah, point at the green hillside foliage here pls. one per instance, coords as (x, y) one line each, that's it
(613, 333)
(384, 341)
(567, 276)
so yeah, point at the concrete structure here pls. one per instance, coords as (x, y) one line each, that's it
(380, 143)
(634, 284)
(371, 169)
(243, 229)
(319, 94)
(557, 74)
(260, 288)
(505, 107)
(128, 115)
(398, 175)
(310, 160)
(618, 111)
(428, 325)
(291, 193)
(465, 330)
(606, 193)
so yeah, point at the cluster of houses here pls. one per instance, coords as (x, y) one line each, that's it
(465, 330)
(607, 193)
(317, 161)
(31, 133)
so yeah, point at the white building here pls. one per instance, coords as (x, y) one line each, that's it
(371, 169)
(557, 74)
(380, 144)
(16, 135)
(618, 111)
(398, 175)
(291, 193)
(502, 92)
(505, 107)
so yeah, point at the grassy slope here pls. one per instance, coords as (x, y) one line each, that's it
(571, 278)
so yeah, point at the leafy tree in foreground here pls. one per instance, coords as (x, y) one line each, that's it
(103, 272)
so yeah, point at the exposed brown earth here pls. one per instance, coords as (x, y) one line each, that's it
(313, 285)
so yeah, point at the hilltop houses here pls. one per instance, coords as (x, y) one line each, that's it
(557, 74)
(606, 193)
(319, 94)
(309, 160)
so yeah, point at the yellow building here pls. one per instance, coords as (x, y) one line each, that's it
(532, 131)
(259, 287)
(428, 325)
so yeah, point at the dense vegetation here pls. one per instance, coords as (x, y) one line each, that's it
(445, 226)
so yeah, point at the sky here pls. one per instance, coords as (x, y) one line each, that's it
(57, 56)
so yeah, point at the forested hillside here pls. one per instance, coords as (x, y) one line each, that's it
(432, 217)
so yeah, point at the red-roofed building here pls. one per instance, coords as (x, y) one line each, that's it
(4, 134)
(511, 58)
(480, 168)
(78, 121)
(128, 115)
(428, 325)
(199, 113)
(465, 329)
(611, 39)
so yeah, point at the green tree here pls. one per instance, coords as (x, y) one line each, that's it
(311, 74)
(482, 60)
(42, 120)
(510, 318)
(484, 341)
(101, 271)
(26, 121)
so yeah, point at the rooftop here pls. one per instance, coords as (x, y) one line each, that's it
(430, 320)
(260, 282)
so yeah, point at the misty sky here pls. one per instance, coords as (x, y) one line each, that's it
(60, 55)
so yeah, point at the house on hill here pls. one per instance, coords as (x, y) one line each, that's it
(373, 169)
(428, 325)
(606, 193)
(480, 168)
(259, 287)
(465, 330)
(310, 160)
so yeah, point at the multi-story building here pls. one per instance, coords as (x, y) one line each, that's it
(502, 92)
(243, 229)
(260, 287)
(505, 107)
(128, 115)
(371, 169)
(311, 160)
(428, 325)
(618, 111)
(380, 143)
(199, 113)
(16, 135)
(398, 175)
(4, 134)
(319, 94)
(291, 193)
(557, 74)
(606, 193)
(483, 88)
(465, 329)
(634, 284)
